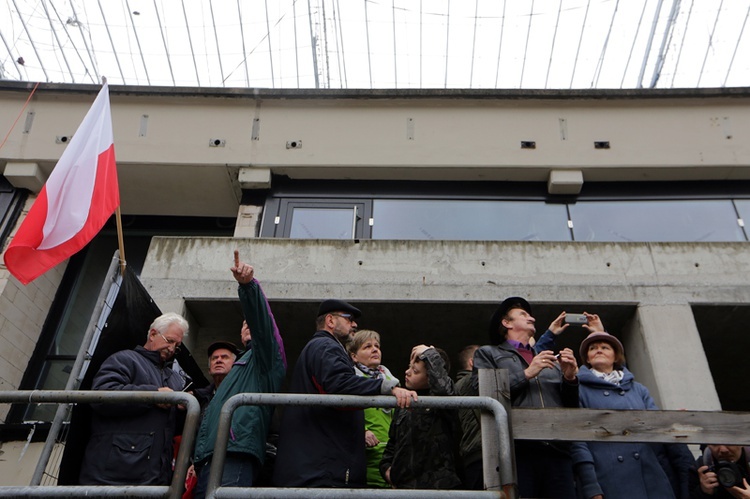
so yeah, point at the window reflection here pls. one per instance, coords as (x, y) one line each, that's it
(322, 223)
(665, 221)
(743, 208)
(469, 220)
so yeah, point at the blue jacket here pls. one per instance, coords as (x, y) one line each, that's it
(131, 444)
(325, 446)
(261, 369)
(619, 470)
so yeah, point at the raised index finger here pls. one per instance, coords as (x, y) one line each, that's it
(236, 258)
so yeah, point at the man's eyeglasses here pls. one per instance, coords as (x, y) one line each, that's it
(170, 342)
(348, 317)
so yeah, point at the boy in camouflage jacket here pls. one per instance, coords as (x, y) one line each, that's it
(422, 446)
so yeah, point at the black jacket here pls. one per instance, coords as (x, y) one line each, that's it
(324, 446)
(471, 438)
(742, 465)
(131, 444)
(422, 449)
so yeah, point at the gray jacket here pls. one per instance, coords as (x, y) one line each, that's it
(548, 389)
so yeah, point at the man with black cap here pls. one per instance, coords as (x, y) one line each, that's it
(538, 379)
(221, 357)
(324, 446)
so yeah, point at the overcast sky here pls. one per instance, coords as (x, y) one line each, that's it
(379, 43)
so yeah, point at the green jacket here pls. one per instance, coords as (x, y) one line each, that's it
(261, 369)
(378, 421)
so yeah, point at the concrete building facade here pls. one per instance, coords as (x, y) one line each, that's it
(203, 172)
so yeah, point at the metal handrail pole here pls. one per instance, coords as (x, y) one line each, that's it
(185, 452)
(192, 409)
(454, 402)
(88, 491)
(301, 493)
(57, 422)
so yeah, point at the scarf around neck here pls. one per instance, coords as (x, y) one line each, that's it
(614, 377)
(373, 372)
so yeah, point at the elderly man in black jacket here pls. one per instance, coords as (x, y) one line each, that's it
(538, 378)
(324, 446)
(131, 444)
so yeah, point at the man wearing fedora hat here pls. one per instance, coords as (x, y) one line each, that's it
(324, 446)
(538, 379)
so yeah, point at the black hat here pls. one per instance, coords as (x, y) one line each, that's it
(507, 305)
(222, 344)
(329, 306)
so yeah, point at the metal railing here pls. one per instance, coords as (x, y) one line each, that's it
(222, 438)
(173, 491)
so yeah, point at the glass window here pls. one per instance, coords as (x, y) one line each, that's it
(54, 376)
(470, 220)
(322, 223)
(321, 219)
(644, 221)
(743, 208)
(11, 204)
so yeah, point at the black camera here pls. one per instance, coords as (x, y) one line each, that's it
(728, 474)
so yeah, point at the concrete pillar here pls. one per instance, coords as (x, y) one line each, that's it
(664, 350)
(248, 221)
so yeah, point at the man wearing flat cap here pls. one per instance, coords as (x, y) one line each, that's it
(323, 446)
(538, 379)
(221, 357)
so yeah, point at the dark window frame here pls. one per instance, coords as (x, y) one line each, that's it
(319, 193)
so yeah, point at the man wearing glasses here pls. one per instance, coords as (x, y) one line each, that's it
(131, 444)
(324, 446)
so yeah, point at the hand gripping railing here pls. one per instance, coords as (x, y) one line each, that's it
(173, 491)
(222, 438)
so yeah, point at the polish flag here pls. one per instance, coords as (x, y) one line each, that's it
(75, 203)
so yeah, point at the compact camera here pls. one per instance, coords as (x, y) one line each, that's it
(728, 474)
(577, 319)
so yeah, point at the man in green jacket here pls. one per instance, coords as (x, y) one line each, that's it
(260, 369)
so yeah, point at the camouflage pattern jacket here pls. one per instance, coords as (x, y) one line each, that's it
(423, 442)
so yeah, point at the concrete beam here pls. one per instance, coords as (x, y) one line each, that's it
(565, 182)
(373, 270)
(254, 178)
(24, 175)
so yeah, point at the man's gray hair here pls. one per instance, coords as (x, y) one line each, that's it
(163, 322)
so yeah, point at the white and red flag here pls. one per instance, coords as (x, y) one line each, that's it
(79, 197)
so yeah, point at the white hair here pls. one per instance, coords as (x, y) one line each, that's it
(162, 323)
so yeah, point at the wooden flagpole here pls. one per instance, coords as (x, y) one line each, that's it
(120, 241)
(118, 218)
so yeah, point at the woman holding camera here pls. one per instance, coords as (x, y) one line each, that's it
(621, 470)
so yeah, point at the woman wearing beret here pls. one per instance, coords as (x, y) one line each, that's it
(617, 469)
